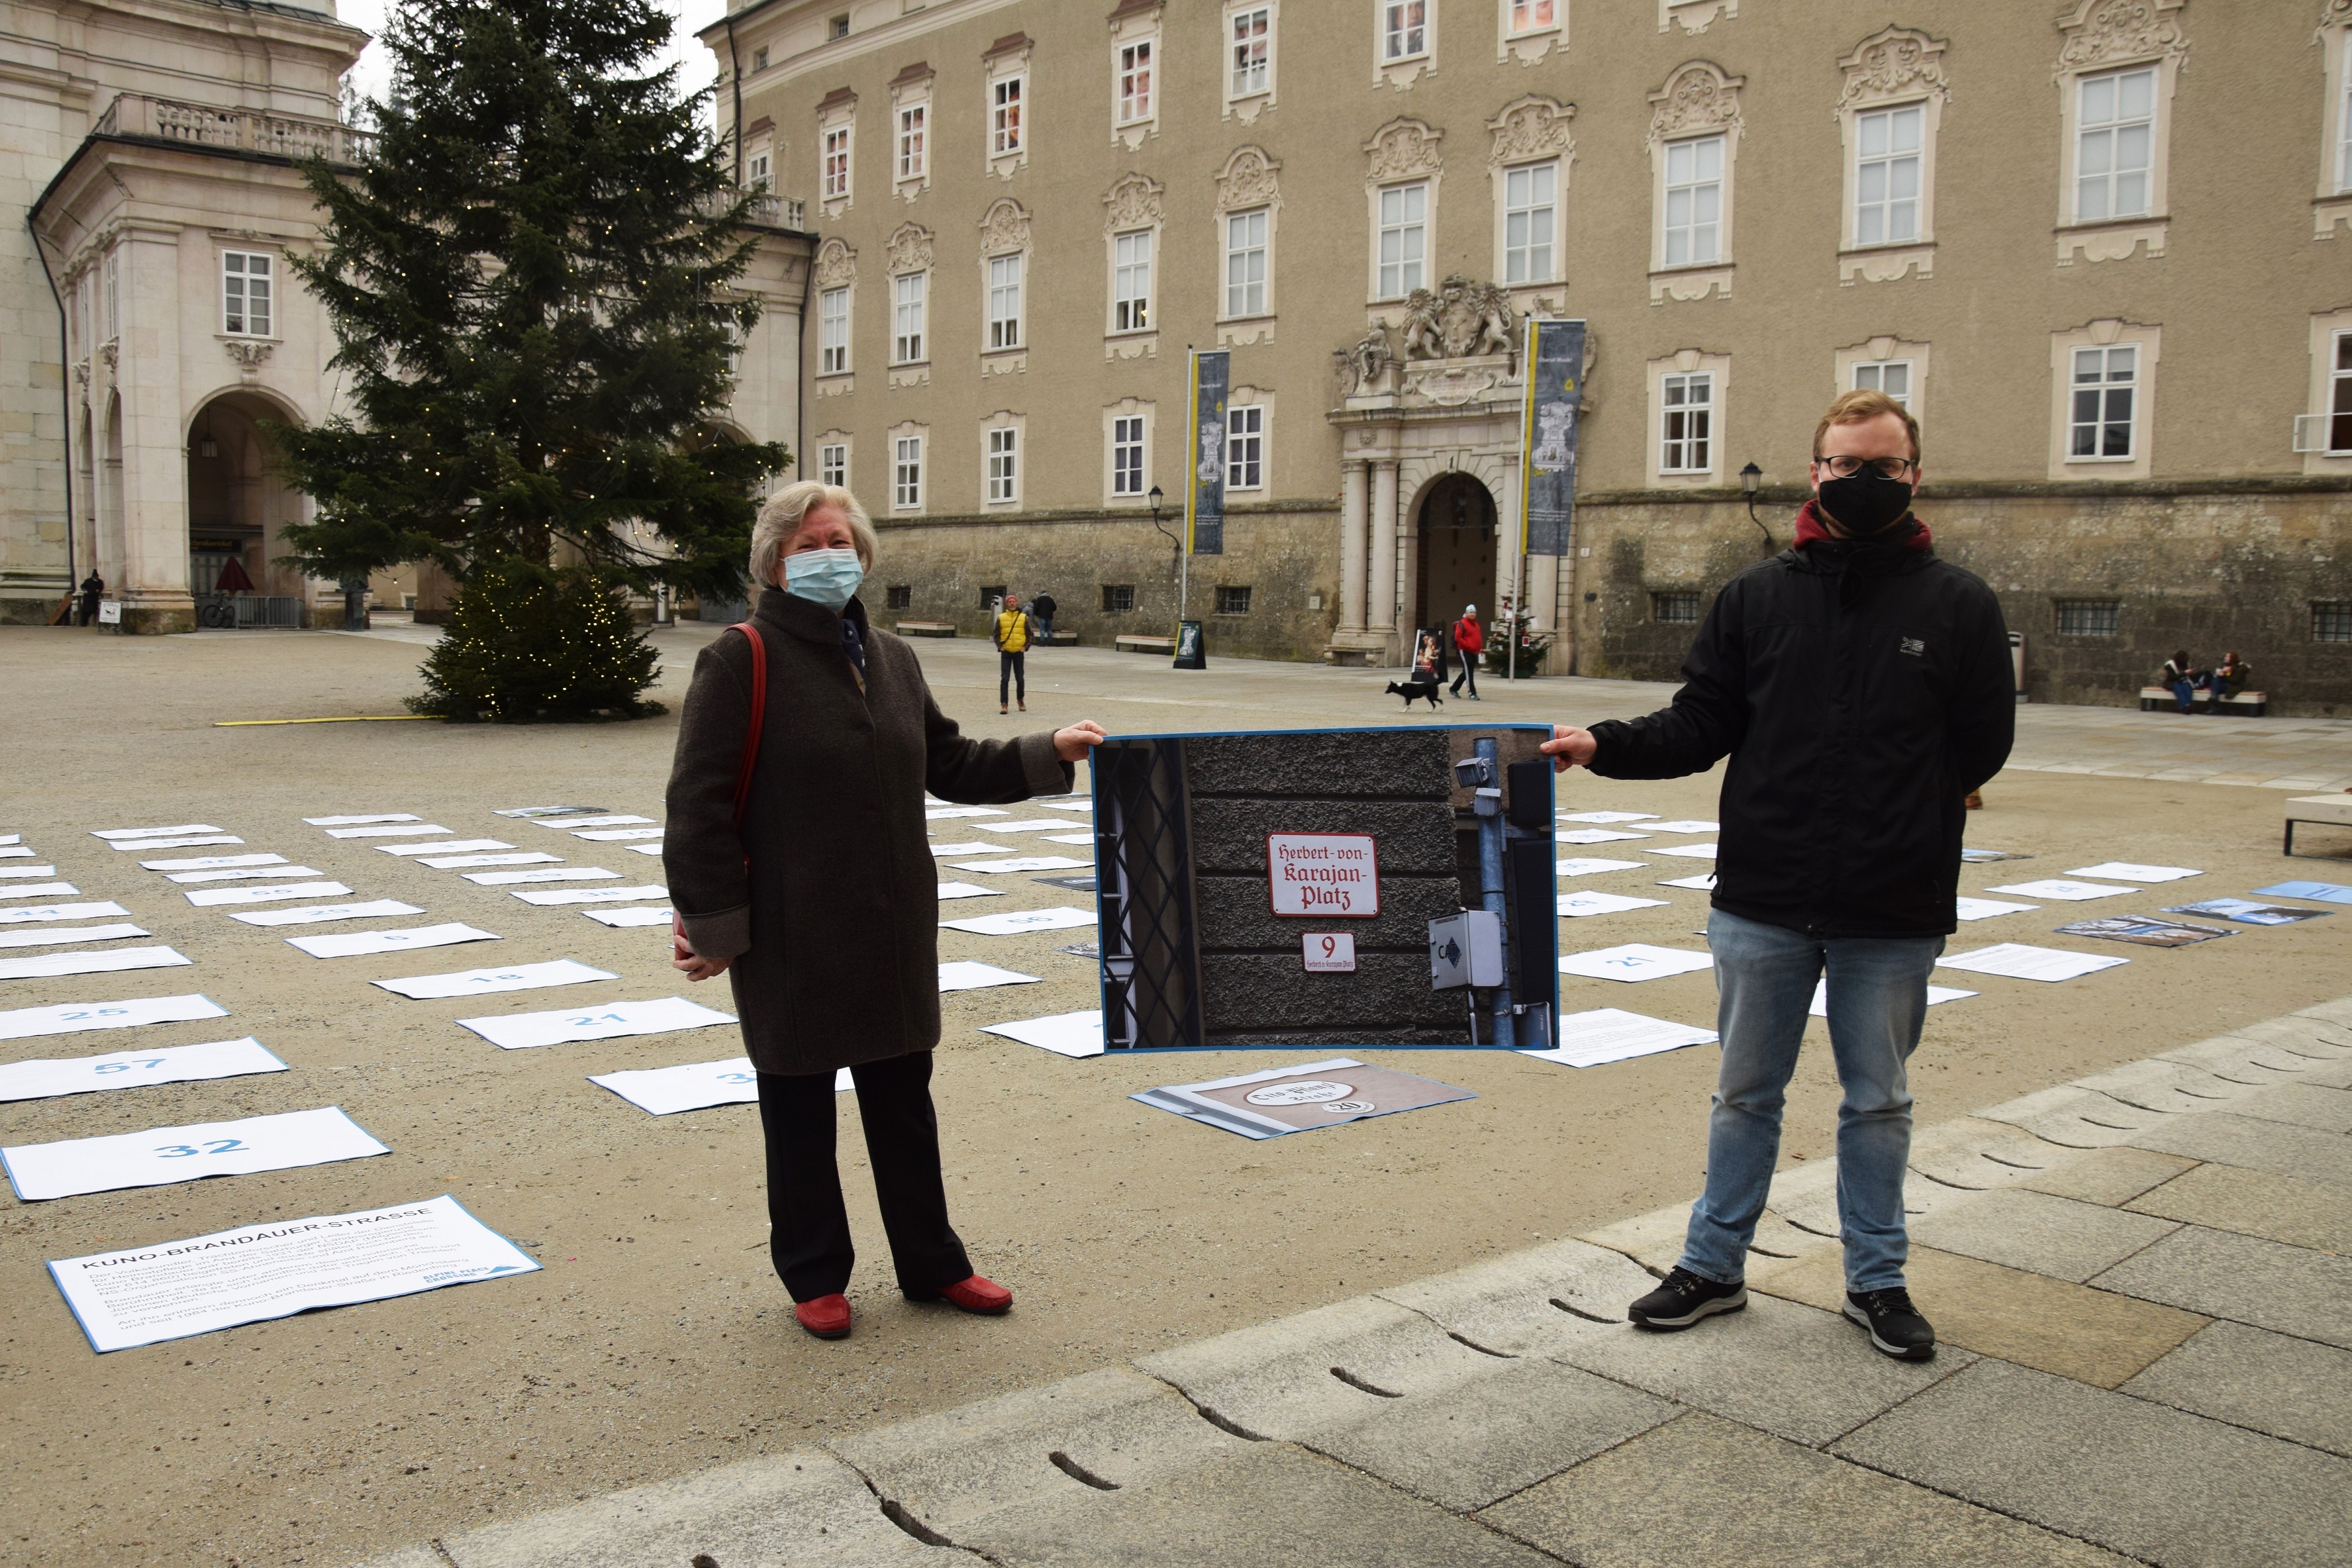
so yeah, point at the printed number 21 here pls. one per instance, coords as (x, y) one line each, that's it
(215, 1146)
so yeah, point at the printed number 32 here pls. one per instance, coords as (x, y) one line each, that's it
(215, 1146)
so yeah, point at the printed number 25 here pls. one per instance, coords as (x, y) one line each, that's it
(213, 1146)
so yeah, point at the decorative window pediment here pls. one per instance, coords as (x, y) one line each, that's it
(1531, 128)
(836, 264)
(1252, 178)
(2102, 33)
(909, 249)
(1898, 62)
(1403, 149)
(1698, 98)
(1004, 227)
(1135, 202)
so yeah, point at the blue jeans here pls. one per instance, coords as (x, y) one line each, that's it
(2186, 692)
(1765, 976)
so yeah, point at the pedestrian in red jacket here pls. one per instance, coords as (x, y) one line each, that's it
(1469, 642)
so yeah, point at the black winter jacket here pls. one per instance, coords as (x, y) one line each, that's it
(1861, 691)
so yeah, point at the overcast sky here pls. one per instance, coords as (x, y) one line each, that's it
(375, 72)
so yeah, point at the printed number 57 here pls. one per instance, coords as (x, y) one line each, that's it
(213, 1146)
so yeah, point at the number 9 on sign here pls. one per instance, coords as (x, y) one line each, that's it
(1329, 952)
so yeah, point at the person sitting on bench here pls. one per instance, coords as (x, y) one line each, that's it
(2231, 678)
(2183, 678)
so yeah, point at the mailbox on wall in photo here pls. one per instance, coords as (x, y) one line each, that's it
(1369, 888)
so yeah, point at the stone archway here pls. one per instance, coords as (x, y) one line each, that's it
(1455, 566)
(238, 505)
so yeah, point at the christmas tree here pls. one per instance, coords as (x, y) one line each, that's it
(532, 282)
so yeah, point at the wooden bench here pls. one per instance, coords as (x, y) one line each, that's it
(1063, 639)
(925, 628)
(2245, 704)
(2334, 810)
(1135, 642)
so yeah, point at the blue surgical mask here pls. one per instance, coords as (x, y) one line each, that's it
(826, 577)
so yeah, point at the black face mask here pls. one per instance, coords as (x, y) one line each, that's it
(1866, 503)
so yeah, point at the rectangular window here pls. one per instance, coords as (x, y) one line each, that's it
(1117, 596)
(1004, 301)
(1694, 201)
(1891, 376)
(832, 332)
(2340, 396)
(1675, 609)
(758, 60)
(1404, 239)
(244, 294)
(1232, 601)
(1531, 15)
(833, 464)
(835, 170)
(1887, 175)
(836, 27)
(2115, 144)
(1527, 203)
(907, 317)
(1135, 82)
(1130, 283)
(761, 178)
(898, 597)
(1404, 29)
(1004, 115)
(906, 474)
(1245, 446)
(2102, 410)
(1004, 460)
(2087, 618)
(912, 122)
(1127, 455)
(1245, 263)
(1252, 44)
(1688, 402)
(2331, 620)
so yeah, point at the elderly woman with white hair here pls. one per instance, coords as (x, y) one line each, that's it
(799, 866)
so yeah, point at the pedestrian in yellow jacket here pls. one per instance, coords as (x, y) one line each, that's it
(1012, 632)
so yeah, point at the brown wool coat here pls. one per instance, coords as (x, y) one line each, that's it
(827, 899)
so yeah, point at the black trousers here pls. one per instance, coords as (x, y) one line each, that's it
(811, 1238)
(1013, 672)
(1469, 672)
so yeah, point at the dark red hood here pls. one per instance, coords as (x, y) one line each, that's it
(1812, 530)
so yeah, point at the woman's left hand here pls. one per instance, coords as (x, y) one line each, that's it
(1072, 745)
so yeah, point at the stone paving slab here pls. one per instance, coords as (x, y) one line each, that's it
(2316, 1215)
(2338, 1013)
(2039, 1233)
(2287, 1387)
(1982, 1155)
(2092, 1336)
(2074, 1117)
(2272, 1146)
(2301, 1104)
(1700, 1491)
(2314, 1030)
(2170, 1086)
(2292, 1289)
(1530, 1302)
(2136, 1476)
(2113, 1176)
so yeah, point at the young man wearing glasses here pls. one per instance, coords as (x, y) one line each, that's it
(1861, 687)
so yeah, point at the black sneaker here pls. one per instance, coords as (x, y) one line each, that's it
(1682, 1299)
(1895, 1324)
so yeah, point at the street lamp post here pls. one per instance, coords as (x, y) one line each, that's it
(1751, 480)
(1183, 572)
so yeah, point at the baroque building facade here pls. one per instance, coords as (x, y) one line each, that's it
(2104, 254)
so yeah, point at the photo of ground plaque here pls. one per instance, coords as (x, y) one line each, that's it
(1365, 888)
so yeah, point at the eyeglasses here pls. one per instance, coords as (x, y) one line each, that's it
(1884, 468)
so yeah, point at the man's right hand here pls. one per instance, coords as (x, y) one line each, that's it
(1570, 747)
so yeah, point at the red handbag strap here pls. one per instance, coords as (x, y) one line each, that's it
(759, 714)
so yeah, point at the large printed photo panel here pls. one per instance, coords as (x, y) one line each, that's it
(1366, 887)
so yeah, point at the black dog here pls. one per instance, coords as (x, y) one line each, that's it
(1419, 686)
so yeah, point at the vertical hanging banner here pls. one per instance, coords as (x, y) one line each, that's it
(1555, 374)
(1204, 491)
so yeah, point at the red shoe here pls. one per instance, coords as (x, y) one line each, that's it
(827, 1317)
(973, 1294)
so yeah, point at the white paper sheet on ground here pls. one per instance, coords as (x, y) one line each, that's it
(593, 895)
(50, 1077)
(692, 1086)
(1021, 863)
(1063, 1034)
(269, 893)
(170, 1290)
(659, 916)
(1595, 835)
(966, 890)
(1613, 1035)
(16, 852)
(41, 890)
(1608, 816)
(1008, 922)
(532, 812)
(1985, 908)
(482, 982)
(969, 847)
(1303, 1095)
(27, 872)
(1686, 851)
(162, 1155)
(967, 975)
(644, 848)
(1703, 883)
(1030, 825)
(946, 813)
(74, 1017)
(116, 835)
(1936, 996)
(618, 835)
(2060, 888)
(1635, 960)
(42, 914)
(310, 913)
(142, 845)
(57, 936)
(654, 1015)
(574, 823)
(2131, 871)
(11, 838)
(357, 943)
(453, 846)
(410, 830)
(512, 857)
(49, 965)
(1085, 838)
(244, 874)
(379, 818)
(1587, 867)
(551, 874)
(1067, 803)
(1687, 825)
(206, 862)
(1577, 905)
(2017, 961)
